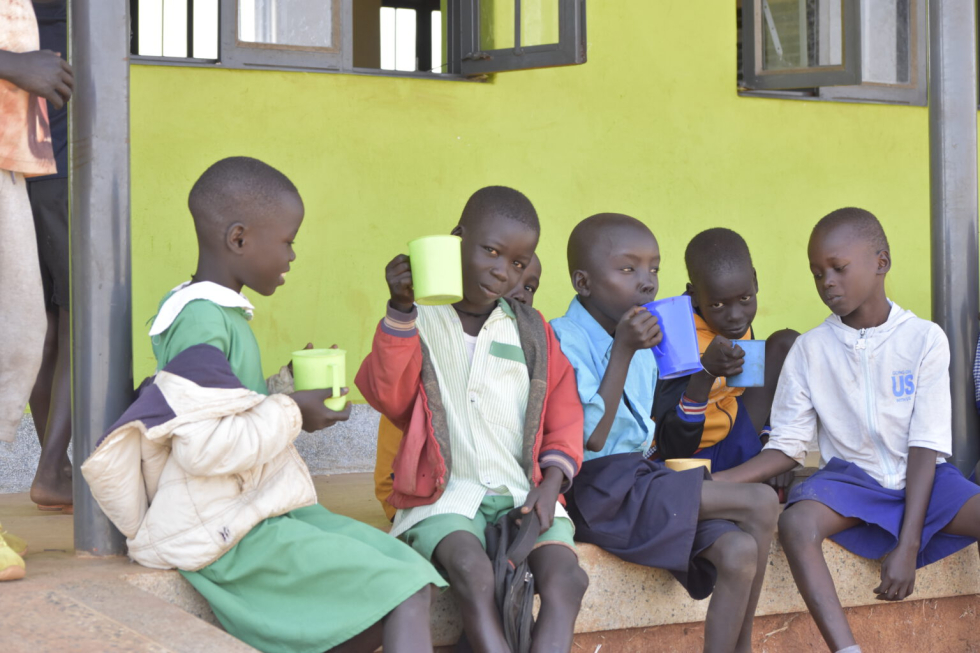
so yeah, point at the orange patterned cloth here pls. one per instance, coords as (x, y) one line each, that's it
(25, 135)
(722, 400)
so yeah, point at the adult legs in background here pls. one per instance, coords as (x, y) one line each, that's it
(22, 322)
(51, 397)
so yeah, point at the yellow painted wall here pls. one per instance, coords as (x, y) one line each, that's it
(650, 126)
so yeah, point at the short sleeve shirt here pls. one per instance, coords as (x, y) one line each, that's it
(587, 346)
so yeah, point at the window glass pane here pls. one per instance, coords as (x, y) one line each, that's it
(885, 40)
(539, 22)
(206, 29)
(398, 39)
(437, 62)
(174, 28)
(405, 40)
(387, 38)
(298, 23)
(801, 34)
(150, 28)
(496, 24)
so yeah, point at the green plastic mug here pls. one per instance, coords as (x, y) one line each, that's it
(437, 270)
(316, 369)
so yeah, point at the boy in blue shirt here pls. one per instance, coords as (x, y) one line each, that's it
(622, 501)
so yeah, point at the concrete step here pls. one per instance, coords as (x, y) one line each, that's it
(624, 600)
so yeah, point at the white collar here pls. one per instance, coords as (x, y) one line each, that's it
(189, 291)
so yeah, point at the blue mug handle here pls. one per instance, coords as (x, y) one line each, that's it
(656, 348)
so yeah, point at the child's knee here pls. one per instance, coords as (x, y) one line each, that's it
(764, 506)
(779, 344)
(568, 584)
(796, 529)
(470, 571)
(737, 556)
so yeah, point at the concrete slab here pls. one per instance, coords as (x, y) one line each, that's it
(622, 596)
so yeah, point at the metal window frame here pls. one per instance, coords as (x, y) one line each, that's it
(916, 91)
(473, 60)
(234, 53)
(462, 38)
(756, 78)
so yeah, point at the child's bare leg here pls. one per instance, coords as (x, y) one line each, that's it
(52, 481)
(40, 400)
(734, 556)
(471, 577)
(758, 401)
(754, 509)
(561, 582)
(802, 529)
(406, 628)
(967, 520)
(366, 641)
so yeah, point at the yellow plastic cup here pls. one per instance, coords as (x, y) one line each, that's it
(437, 270)
(682, 464)
(317, 369)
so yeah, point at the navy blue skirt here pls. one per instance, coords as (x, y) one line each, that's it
(644, 513)
(741, 443)
(849, 491)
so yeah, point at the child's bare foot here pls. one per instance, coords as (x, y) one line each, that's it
(52, 490)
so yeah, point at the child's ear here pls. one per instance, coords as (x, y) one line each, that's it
(457, 231)
(581, 283)
(884, 261)
(235, 237)
(755, 280)
(693, 294)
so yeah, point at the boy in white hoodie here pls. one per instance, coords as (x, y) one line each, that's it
(871, 384)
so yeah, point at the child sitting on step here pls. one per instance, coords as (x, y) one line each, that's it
(491, 421)
(389, 436)
(201, 474)
(723, 288)
(871, 386)
(622, 501)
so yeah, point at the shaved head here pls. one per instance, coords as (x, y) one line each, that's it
(716, 252)
(864, 224)
(499, 201)
(593, 238)
(236, 189)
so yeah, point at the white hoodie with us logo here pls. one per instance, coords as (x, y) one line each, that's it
(866, 395)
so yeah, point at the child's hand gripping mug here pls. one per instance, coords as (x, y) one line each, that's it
(317, 369)
(753, 368)
(437, 270)
(677, 354)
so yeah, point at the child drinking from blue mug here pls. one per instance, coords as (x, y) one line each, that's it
(871, 384)
(723, 288)
(710, 536)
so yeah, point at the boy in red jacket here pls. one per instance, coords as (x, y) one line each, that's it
(491, 419)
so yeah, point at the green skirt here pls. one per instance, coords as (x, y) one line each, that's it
(309, 580)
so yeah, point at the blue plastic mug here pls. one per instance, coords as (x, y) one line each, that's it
(754, 368)
(677, 354)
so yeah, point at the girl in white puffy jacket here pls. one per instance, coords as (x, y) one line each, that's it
(871, 385)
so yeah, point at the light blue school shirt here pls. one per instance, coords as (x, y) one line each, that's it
(588, 347)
